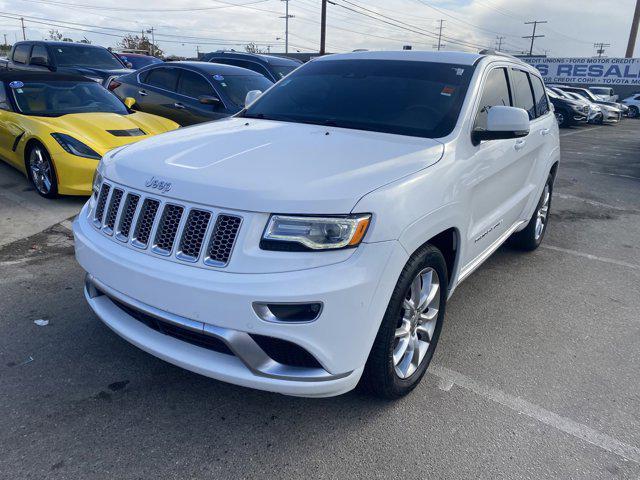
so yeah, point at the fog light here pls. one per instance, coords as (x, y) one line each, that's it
(288, 312)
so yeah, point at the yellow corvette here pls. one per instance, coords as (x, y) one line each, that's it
(55, 128)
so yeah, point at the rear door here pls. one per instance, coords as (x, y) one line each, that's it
(191, 86)
(157, 94)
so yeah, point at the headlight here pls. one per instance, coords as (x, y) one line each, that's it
(597, 108)
(298, 233)
(75, 147)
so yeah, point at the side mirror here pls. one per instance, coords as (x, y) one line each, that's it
(129, 102)
(503, 123)
(128, 64)
(252, 96)
(209, 100)
(39, 62)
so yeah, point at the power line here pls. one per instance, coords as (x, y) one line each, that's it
(152, 10)
(533, 36)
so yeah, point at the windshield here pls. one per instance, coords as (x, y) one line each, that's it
(392, 96)
(283, 70)
(84, 56)
(139, 62)
(52, 99)
(236, 87)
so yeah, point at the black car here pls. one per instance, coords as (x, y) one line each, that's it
(272, 67)
(567, 111)
(189, 92)
(92, 61)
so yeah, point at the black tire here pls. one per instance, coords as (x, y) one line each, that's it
(379, 377)
(633, 112)
(45, 190)
(529, 239)
(562, 117)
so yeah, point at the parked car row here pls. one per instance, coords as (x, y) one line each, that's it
(575, 105)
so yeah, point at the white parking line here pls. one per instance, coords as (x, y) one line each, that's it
(576, 253)
(615, 175)
(579, 131)
(578, 430)
(594, 203)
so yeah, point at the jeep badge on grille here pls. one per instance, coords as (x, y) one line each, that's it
(161, 185)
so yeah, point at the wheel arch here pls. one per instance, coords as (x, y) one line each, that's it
(31, 143)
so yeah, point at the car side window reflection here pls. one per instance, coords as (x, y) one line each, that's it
(494, 92)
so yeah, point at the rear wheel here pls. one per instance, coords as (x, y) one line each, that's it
(410, 328)
(531, 237)
(41, 172)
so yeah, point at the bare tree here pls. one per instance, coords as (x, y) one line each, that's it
(140, 44)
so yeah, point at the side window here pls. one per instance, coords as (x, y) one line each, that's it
(21, 53)
(193, 85)
(637, 97)
(495, 92)
(165, 78)
(4, 101)
(522, 92)
(40, 51)
(542, 105)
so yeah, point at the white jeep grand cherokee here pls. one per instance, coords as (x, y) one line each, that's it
(312, 241)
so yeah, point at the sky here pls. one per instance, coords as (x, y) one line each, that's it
(181, 27)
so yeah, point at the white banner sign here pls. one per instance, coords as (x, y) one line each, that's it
(591, 71)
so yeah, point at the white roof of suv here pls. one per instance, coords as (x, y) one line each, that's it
(460, 58)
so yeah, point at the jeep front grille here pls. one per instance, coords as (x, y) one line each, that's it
(169, 229)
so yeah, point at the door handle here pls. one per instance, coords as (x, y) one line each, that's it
(178, 105)
(142, 93)
(545, 131)
(520, 144)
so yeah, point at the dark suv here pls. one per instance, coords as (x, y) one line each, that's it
(274, 68)
(91, 61)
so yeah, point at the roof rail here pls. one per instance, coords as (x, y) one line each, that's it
(490, 51)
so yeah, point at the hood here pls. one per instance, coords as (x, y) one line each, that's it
(95, 72)
(93, 128)
(268, 166)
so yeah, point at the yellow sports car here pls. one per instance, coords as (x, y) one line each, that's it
(56, 127)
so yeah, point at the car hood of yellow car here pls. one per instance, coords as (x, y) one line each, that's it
(93, 128)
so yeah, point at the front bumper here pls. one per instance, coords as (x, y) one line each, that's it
(354, 294)
(75, 174)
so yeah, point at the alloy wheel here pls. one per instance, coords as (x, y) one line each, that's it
(419, 317)
(40, 171)
(560, 118)
(543, 212)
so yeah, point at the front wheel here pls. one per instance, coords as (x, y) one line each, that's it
(410, 328)
(41, 172)
(531, 237)
(561, 118)
(633, 112)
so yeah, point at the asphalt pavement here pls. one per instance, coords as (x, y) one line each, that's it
(536, 375)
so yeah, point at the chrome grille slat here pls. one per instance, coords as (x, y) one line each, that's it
(222, 240)
(167, 230)
(193, 235)
(127, 216)
(173, 230)
(112, 211)
(105, 189)
(145, 223)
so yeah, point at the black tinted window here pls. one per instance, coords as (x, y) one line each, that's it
(21, 53)
(542, 106)
(75, 55)
(522, 92)
(495, 92)
(420, 99)
(236, 87)
(193, 85)
(165, 78)
(40, 51)
(256, 67)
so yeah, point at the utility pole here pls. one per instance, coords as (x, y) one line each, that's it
(499, 40)
(24, 34)
(286, 25)
(323, 27)
(600, 48)
(440, 27)
(633, 34)
(533, 36)
(5, 41)
(153, 41)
